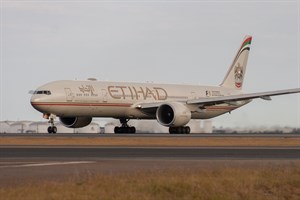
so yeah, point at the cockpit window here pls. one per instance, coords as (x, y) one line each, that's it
(47, 92)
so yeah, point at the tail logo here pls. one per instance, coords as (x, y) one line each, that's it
(238, 75)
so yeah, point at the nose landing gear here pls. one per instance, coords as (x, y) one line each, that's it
(52, 128)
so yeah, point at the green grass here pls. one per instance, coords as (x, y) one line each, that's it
(271, 181)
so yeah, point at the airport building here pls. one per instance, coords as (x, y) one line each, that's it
(15, 127)
(41, 127)
(145, 126)
(5, 126)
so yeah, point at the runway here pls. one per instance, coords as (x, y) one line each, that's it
(29, 158)
(182, 153)
(25, 164)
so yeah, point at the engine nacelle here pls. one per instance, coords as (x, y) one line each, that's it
(75, 122)
(173, 114)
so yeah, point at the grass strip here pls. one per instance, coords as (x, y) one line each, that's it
(153, 141)
(227, 182)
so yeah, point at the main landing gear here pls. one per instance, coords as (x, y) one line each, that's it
(180, 130)
(52, 128)
(124, 128)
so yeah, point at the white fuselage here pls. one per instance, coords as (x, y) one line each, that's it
(120, 99)
(173, 106)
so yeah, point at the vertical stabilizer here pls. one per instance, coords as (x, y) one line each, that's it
(236, 73)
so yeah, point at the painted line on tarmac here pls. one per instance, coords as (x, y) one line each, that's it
(48, 164)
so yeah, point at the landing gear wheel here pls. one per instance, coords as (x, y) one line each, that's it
(188, 130)
(124, 128)
(132, 129)
(49, 129)
(180, 130)
(117, 129)
(52, 129)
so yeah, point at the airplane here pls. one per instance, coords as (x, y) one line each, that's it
(172, 105)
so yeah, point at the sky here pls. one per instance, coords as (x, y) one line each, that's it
(190, 42)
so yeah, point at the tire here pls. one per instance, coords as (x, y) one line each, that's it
(116, 129)
(54, 129)
(50, 130)
(172, 130)
(188, 130)
(132, 130)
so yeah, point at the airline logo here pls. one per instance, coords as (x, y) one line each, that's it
(239, 69)
(139, 93)
(126, 92)
(238, 75)
(246, 42)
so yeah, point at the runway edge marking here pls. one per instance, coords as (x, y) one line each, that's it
(49, 164)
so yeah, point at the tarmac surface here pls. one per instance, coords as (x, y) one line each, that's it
(30, 163)
(83, 153)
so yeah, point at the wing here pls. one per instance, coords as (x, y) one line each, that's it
(240, 97)
(150, 108)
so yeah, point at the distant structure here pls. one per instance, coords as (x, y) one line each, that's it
(257, 129)
(207, 126)
(5, 126)
(19, 126)
(41, 127)
(201, 126)
(38, 127)
(109, 127)
(145, 126)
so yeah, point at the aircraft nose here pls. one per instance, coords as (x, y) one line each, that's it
(34, 101)
(37, 101)
(39, 96)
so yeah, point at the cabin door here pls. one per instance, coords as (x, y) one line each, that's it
(104, 95)
(193, 95)
(69, 95)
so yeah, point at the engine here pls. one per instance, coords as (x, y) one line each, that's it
(75, 122)
(173, 114)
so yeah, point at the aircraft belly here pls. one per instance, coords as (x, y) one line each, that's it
(130, 113)
(98, 111)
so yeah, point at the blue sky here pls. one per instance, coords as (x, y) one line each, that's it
(189, 42)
